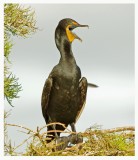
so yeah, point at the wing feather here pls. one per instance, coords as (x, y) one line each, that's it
(45, 96)
(83, 92)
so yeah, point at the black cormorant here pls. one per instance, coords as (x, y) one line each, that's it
(64, 92)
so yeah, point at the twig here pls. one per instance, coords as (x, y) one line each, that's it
(23, 142)
(119, 129)
(108, 153)
(15, 125)
(60, 131)
(57, 123)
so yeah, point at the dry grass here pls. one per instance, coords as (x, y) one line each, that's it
(96, 142)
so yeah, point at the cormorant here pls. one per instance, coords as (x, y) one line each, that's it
(64, 92)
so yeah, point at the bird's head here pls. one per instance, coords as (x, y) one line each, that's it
(67, 25)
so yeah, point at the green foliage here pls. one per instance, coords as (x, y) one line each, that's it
(18, 21)
(7, 46)
(11, 88)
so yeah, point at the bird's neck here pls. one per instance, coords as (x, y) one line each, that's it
(65, 49)
(66, 52)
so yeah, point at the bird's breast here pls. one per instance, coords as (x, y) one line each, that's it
(65, 97)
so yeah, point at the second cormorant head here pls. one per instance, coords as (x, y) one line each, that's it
(64, 31)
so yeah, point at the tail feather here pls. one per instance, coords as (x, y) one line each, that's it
(92, 85)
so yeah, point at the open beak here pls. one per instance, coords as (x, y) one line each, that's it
(79, 25)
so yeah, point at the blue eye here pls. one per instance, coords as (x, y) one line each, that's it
(71, 28)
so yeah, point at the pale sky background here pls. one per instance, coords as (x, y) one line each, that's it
(106, 58)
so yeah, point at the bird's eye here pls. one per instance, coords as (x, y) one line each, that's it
(70, 28)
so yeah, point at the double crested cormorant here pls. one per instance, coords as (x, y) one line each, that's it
(64, 92)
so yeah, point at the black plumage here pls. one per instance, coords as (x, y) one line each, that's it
(64, 92)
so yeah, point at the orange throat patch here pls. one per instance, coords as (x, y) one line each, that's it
(70, 35)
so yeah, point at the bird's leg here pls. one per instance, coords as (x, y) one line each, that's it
(74, 137)
(61, 142)
(54, 127)
(73, 127)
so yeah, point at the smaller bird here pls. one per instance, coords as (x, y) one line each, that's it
(64, 92)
